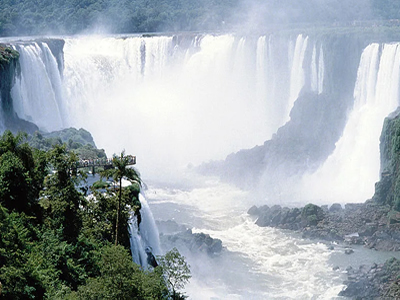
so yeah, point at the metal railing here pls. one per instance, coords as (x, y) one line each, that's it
(102, 162)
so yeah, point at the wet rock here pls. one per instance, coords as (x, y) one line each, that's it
(312, 214)
(353, 206)
(358, 288)
(170, 227)
(151, 260)
(253, 211)
(349, 251)
(374, 282)
(394, 217)
(194, 242)
(368, 230)
(336, 207)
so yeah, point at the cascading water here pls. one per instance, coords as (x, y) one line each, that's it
(297, 73)
(144, 236)
(317, 70)
(38, 93)
(138, 248)
(148, 228)
(186, 92)
(350, 173)
(157, 80)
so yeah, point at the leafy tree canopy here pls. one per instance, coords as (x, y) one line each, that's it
(57, 244)
(176, 271)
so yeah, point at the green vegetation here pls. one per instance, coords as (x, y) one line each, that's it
(387, 190)
(118, 173)
(79, 141)
(6, 54)
(176, 271)
(387, 9)
(29, 17)
(57, 244)
(312, 214)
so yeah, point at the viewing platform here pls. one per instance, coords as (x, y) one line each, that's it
(106, 162)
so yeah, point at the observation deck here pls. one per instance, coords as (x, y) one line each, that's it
(105, 162)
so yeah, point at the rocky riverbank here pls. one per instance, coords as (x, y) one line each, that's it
(369, 224)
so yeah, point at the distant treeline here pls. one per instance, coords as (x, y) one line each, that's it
(34, 17)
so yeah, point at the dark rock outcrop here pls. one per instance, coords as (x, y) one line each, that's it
(366, 224)
(173, 234)
(373, 282)
(387, 190)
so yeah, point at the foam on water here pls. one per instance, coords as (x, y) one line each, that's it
(258, 263)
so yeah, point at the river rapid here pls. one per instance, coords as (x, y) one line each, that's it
(256, 262)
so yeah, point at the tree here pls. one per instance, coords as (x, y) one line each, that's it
(120, 171)
(121, 279)
(22, 171)
(20, 280)
(176, 272)
(60, 198)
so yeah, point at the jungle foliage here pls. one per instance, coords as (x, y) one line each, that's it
(32, 17)
(55, 243)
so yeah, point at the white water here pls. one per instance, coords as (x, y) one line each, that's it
(297, 73)
(350, 173)
(37, 93)
(317, 70)
(144, 236)
(148, 228)
(258, 263)
(138, 245)
(222, 94)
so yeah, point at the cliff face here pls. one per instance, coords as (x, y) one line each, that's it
(387, 190)
(8, 69)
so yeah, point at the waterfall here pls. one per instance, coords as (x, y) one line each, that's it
(262, 67)
(144, 236)
(219, 92)
(350, 172)
(157, 55)
(267, 81)
(297, 73)
(37, 94)
(321, 71)
(148, 228)
(138, 247)
(196, 100)
(317, 70)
